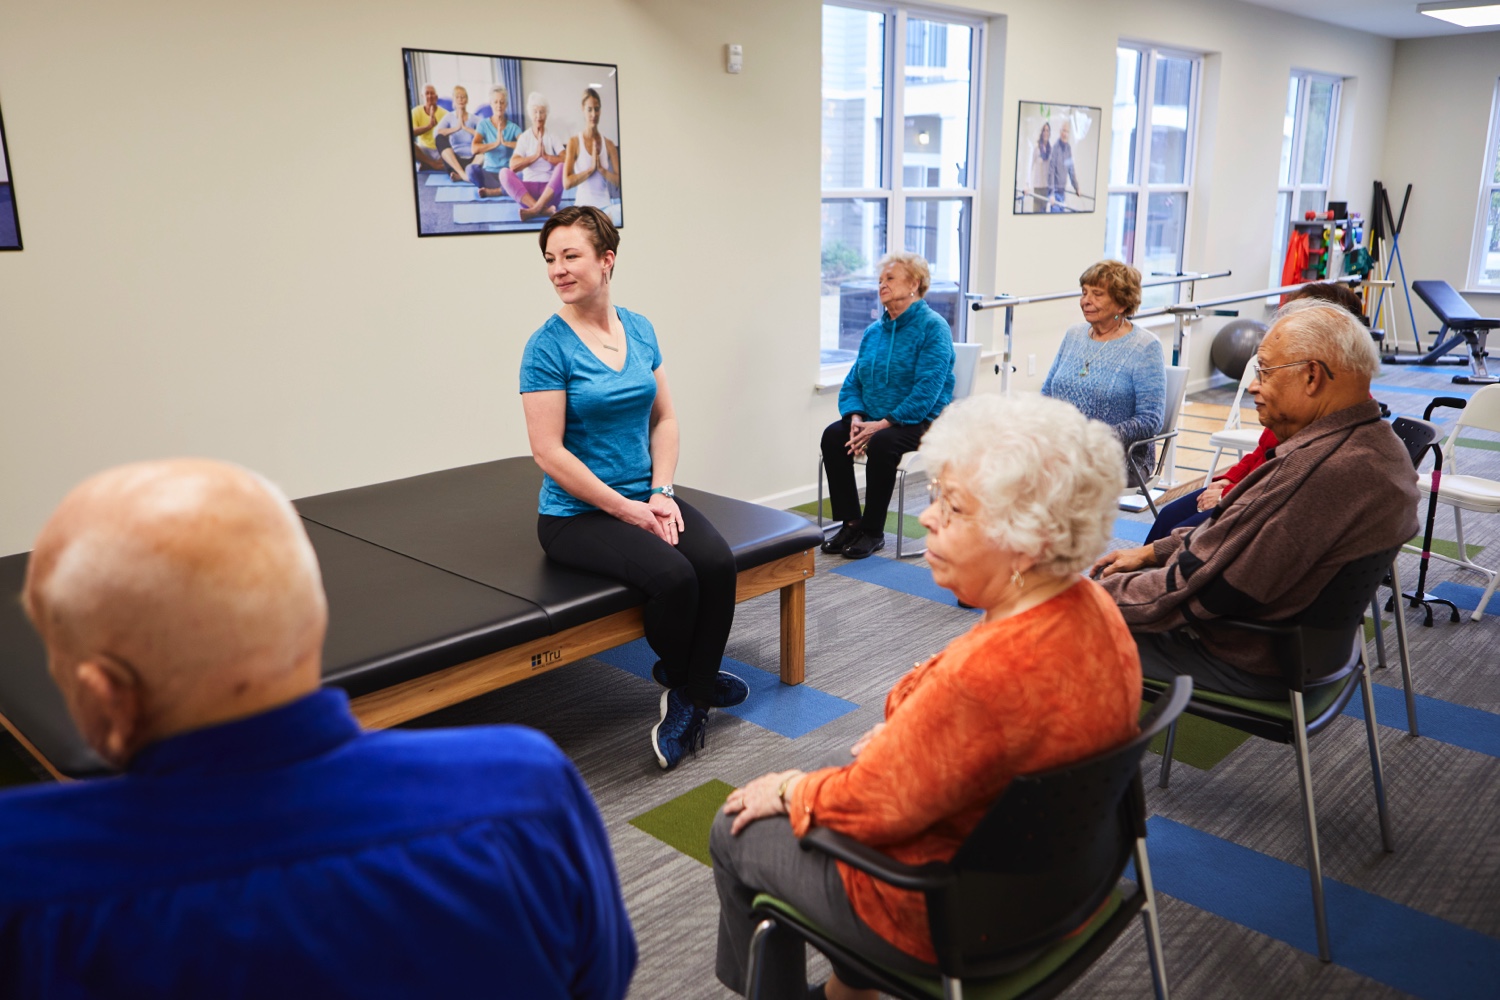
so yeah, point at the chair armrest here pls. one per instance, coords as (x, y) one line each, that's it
(918, 878)
(1287, 640)
(1153, 439)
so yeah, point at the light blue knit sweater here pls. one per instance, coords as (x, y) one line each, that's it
(1125, 385)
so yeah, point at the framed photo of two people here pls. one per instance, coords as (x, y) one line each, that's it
(499, 143)
(1057, 158)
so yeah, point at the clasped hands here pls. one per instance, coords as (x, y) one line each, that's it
(860, 433)
(659, 515)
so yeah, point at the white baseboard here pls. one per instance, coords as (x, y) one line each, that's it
(1209, 382)
(799, 495)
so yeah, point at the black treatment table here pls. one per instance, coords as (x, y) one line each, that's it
(438, 591)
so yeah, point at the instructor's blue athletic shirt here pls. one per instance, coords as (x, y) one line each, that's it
(290, 854)
(608, 424)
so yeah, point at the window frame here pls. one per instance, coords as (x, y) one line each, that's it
(893, 189)
(1488, 186)
(1294, 186)
(1143, 188)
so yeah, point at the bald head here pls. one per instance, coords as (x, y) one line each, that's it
(172, 596)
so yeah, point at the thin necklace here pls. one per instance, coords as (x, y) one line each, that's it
(600, 340)
(1095, 344)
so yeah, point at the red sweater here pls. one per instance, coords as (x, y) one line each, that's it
(1053, 684)
(1250, 462)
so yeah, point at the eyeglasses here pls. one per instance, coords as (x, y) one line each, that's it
(1262, 369)
(945, 510)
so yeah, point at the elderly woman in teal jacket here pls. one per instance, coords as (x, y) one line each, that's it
(899, 384)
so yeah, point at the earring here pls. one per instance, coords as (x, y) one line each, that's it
(1015, 579)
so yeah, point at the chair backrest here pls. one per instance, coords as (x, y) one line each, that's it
(965, 364)
(1232, 419)
(1045, 857)
(1327, 629)
(1177, 376)
(1417, 435)
(1443, 299)
(1483, 410)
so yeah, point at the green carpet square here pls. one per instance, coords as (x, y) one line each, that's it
(1201, 743)
(914, 527)
(1444, 547)
(684, 822)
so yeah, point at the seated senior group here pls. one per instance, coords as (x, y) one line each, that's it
(257, 838)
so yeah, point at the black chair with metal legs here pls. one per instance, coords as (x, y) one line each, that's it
(1321, 653)
(1046, 860)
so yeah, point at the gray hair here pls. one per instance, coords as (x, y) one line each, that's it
(914, 264)
(536, 99)
(499, 88)
(1046, 477)
(1313, 328)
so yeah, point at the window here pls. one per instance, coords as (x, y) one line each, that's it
(1484, 260)
(1151, 161)
(1307, 134)
(883, 66)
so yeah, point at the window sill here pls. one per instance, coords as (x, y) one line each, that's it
(1491, 290)
(831, 378)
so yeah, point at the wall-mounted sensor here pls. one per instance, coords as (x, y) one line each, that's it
(734, 59)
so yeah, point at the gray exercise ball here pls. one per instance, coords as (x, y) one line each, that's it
(1235, 344)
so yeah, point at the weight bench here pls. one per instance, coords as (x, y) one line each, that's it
(438, 591)
(1466, 326)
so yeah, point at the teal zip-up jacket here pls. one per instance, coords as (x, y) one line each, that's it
(904, 372)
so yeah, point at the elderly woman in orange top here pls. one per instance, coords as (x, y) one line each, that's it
(1024, 494)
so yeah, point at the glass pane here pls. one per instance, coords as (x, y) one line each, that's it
(1169, 120)
(1315, 134)
(1119, 228)
(935, 139)
(1288, 128)
(938, 229)
(1166, 213)
(1489, 268)
(1127, 113)
(853, 97)
(853, 242)
(1278, 241)
(1496, 179)
(1312, 200)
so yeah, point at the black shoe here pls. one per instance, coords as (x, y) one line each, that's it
(863, 546)
(845, 535)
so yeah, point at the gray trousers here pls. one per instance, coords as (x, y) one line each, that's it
(764, 857)
(1167, 655)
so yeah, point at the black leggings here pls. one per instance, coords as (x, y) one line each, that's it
(882, 455)
(689, 588)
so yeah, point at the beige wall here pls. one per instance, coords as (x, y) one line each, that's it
(1439, 119)
(221, 258)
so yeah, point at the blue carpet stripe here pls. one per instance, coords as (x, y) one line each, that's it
(792, 710)
(1467, 597)
(908, 578)
(1458, 725)
(1386, 941)
(1133, 531)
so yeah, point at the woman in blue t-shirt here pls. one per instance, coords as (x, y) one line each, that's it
(601, 426)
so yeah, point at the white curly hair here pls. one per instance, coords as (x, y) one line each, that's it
(1047, 478)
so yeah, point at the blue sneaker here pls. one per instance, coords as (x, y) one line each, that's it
(729, 690)
(681, 730)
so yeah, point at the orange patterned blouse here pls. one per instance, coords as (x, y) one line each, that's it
(1053, 684)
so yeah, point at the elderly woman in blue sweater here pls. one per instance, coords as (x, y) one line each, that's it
(1107, 367)
(899, 384)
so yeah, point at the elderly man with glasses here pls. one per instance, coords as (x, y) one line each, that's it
(1338, 487)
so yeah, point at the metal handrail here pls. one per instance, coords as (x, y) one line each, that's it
(1004, 301)
(1185, 309)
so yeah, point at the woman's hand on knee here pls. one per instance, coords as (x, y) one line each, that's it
(668, 517)
(644, 517)
(765, 796)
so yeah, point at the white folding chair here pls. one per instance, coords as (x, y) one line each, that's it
(1471, 493)
(1234, 437)
(1136, 455)
(965, 364)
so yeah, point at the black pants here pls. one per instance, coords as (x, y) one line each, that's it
(1167, 655)
(689, 588)
(882, 455)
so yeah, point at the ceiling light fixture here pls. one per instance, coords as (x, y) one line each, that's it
(923, 138)
(1464, 13)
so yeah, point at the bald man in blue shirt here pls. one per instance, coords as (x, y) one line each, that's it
(259, 843)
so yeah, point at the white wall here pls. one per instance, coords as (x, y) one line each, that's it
(251, 286)
(1439, 119)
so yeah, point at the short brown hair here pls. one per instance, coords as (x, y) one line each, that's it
(602, 233)
(1336, 292)
(1119, 280)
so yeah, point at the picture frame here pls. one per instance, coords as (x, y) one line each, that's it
(1057, 158)
(538, 123)
(10, 216)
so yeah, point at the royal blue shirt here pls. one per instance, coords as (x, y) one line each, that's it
(290, 854)
(608, 424)
(904, 371)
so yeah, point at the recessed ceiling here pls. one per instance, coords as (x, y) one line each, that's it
(1392, 18)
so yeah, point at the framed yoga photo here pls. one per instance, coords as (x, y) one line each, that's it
(1057, 158)
(10, 219)
(499, 143)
